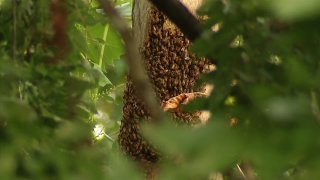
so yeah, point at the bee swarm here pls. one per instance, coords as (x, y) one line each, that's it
(172, 69)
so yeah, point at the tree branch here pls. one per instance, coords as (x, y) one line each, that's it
(137, 72)
(59, 16)
(180, 16)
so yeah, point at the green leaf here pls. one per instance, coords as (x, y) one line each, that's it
(105, 51)
(295, 9)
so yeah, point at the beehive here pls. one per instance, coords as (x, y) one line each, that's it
(172, 69)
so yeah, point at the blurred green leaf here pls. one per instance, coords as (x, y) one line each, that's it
(296, 9)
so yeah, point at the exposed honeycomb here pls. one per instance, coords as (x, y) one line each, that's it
(172, 70)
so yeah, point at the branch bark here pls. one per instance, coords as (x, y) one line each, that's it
(59, 16)
(137, 72)
(180, 16)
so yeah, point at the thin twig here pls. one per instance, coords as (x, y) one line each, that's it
(315, 106)
(241, 172)
(137, 72)
(14, 29)
(249, 171)
(109, 137)
(105, 34)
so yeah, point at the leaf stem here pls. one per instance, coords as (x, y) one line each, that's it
(315, 106)
(105, 34)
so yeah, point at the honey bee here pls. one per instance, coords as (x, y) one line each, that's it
(175, 82)
(160, 82)
(233, 122)
(173, 66)
(196, 71)
(183, 83)
(209, 68)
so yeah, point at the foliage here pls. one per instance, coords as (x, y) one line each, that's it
(267, 81)
(48, 111)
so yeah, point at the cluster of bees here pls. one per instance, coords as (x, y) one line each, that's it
(171, 67)
(130, 139)
(173, 70)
